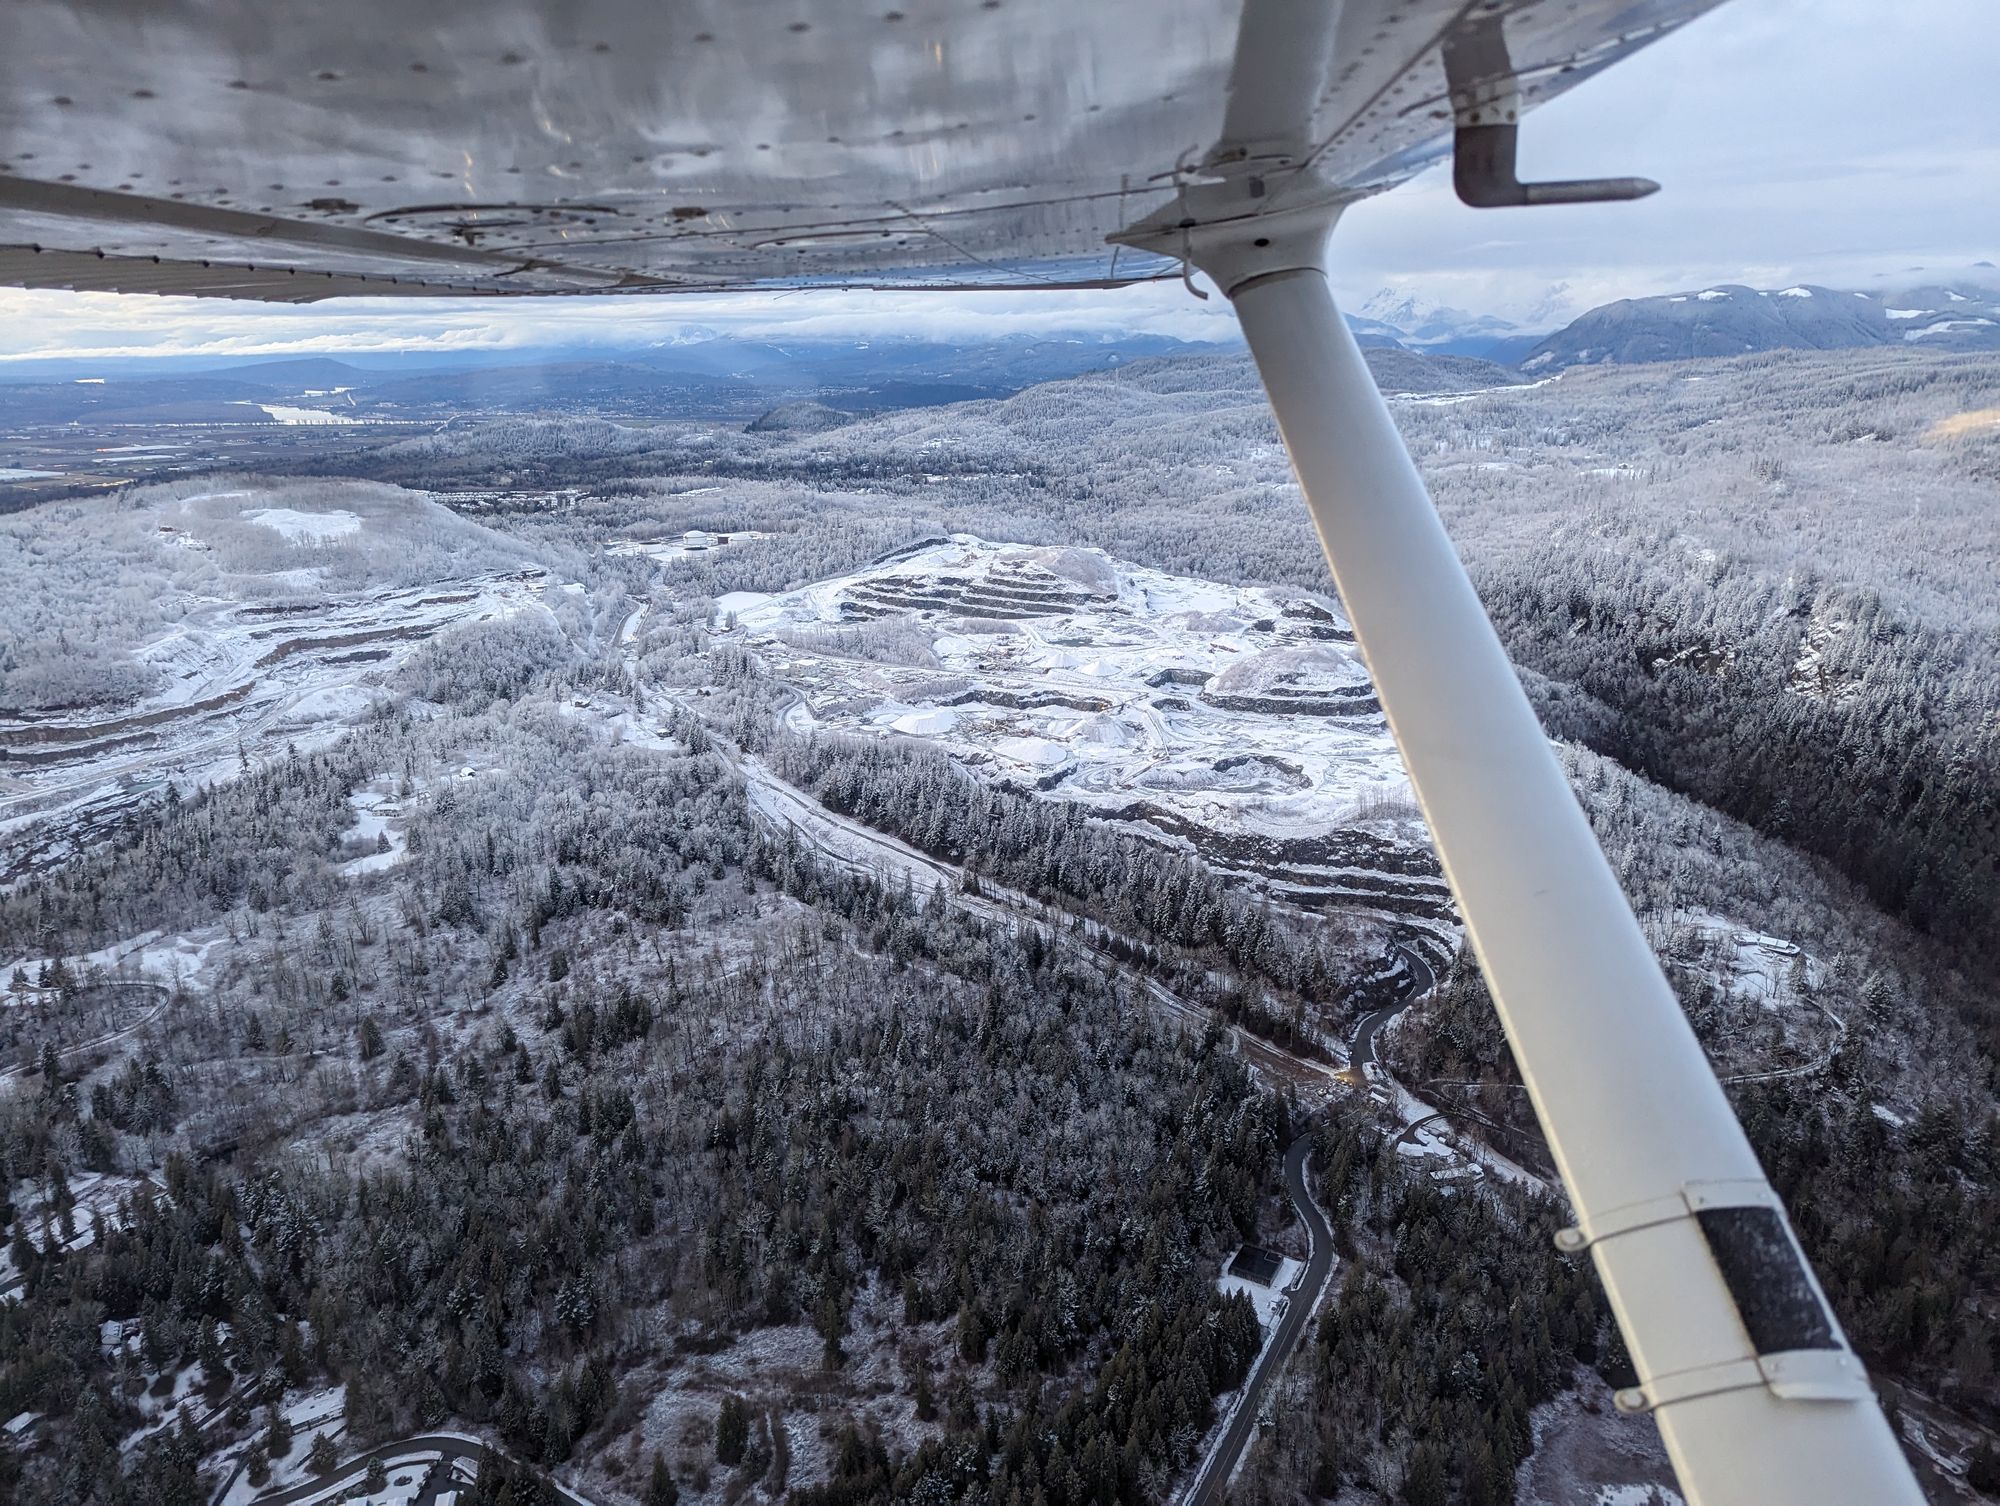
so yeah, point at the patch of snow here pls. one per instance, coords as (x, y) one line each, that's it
(377, 820)
(289, 415)
(1944, 326)
(1906, 313)
(1038, 751)
(1711, 295)
(304, 527)
(740, 602)
(1795, 293)
(1270, 1301)
(925, 723)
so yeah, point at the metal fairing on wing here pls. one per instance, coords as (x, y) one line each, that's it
(617, 146)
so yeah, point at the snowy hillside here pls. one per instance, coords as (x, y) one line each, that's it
(1729, 320)
(240, 623)
(1238, 721)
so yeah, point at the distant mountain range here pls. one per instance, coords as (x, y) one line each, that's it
(717, 376)
(1415, 344)
(1431, 328)
(1730, 320)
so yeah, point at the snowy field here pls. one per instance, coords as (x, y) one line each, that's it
(304, 527)
(1236, 720)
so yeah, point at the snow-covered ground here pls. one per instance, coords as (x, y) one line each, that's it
(267, 660)
(1745, 963)
(378, 830)
(1268, 1300)
(173, 960)
(1238, 720)
(96, 1198)
(310, 1414)
(286, 414)
(304, 527)
(669, 551)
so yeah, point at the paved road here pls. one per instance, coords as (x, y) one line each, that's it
(1211, 1484)
(1419, 980)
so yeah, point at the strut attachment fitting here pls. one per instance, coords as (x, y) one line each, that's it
(1486, 103)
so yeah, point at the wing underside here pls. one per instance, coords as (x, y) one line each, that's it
(595, 146)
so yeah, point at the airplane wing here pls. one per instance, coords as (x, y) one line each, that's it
(440, 147)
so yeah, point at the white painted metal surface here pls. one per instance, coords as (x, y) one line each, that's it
(520, 146)
(1640, 1129)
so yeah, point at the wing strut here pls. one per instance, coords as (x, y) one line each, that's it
(1740, 1360)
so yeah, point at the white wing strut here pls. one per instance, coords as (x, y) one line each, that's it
(1756, 1392)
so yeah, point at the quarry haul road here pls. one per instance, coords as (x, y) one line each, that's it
(438, 1482)
(162, 996)
(1361, 1056)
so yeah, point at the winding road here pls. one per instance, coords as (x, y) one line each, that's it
(854, 845)
(1422, 979)
(438, 1481)
(1211, 1481)
(161, 995)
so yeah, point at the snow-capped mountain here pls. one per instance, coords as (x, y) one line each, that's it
(1422, 323)
(1731, 320)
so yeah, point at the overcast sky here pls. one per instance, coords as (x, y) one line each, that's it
(1847, 142)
